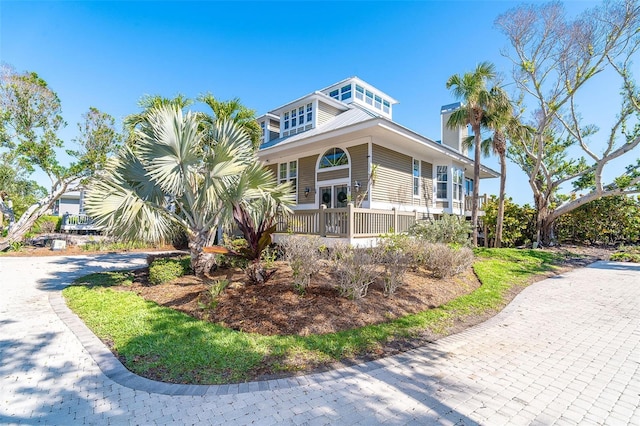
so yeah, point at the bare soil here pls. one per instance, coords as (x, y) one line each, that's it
(276, 308)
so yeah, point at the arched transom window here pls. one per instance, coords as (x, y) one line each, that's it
(333, 158)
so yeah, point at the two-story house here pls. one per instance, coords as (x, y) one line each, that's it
(356, 172)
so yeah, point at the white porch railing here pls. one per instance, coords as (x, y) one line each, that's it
(349, 222)
(468, 202)
(77, 222)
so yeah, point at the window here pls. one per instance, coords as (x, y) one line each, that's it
(369, 99)
(334, 94)
(458, 177)
(468, 187)
(359, 93)
(295, 120)
(386, 106)
(378, 103)
(345, 92)
(441, 182)
(262, 127)
(333, 158)
(416, 178)
(288, 172)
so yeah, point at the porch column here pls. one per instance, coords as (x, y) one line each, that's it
(322, 223)
(350, 215)
(395, 220)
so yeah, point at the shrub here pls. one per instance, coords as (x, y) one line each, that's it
(303, 255)
(627, 254)
(609, 220)
(167, 269)
(46, 225)
(518, 227)
(396, 259)
(441, 259)
(449, 229)
(355, 269)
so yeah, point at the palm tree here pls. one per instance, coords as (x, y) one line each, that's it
(235, 111)
(176, 176)
(472, 89)
(147, 104)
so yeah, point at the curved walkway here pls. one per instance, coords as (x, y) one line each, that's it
(565, 351)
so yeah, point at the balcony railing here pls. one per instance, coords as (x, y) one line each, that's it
(468, 202)
(349, 222)
(78, 222)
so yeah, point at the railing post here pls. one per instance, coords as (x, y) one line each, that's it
(350, 214)
(395, 220)
(322, 223)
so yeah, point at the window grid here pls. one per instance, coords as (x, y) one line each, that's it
(416, 178)
(441, 182)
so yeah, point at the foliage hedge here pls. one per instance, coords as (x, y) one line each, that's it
(609, 220)
(167, 269)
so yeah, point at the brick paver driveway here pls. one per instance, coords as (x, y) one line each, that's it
(565, 351)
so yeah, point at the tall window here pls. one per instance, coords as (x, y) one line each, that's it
(359, 92)
(458, 177)
(288, 172)
(333, 158)
(416, 178)
(309, 112)
(441, 182)
(468, 187)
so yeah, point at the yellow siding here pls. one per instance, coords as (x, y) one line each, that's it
(326, 112)
(426, 184)
(333, 174)
(306, 178)
(359, 169)
(394, 182)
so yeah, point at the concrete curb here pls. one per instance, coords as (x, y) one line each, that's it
(116, 371)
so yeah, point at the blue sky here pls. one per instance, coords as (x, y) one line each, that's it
(108, 54)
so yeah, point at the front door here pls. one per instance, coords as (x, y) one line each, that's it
(334, 196)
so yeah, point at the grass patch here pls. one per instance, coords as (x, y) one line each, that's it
(627, 254)
(167, 345)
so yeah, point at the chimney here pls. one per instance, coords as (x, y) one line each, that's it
(453, 138)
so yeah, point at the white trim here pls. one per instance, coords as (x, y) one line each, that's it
(413, 178)
(343, 166)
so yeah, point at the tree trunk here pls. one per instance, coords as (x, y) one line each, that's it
(476, 186)
(28, 219)
(500, 215)
(201, 262)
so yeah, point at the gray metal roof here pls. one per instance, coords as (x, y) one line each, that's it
(354, 115)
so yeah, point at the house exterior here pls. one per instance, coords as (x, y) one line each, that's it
(70, 206)
(341, 149)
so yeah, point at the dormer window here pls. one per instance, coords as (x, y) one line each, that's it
(345, 92)
(359, 92)
(369, 99)
(294, 120)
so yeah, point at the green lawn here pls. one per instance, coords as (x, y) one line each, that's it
(159, 342)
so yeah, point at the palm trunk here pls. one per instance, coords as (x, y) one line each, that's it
(201, 262)
(500, 218)
(476, 185)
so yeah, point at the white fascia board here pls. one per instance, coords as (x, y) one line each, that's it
(364, 84)
(307, 99)
(325, 136)
(440, 148)
(268, 115)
